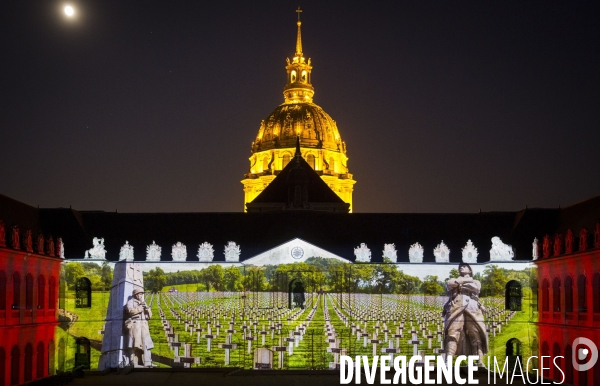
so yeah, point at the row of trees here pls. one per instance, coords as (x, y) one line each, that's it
(316, 274)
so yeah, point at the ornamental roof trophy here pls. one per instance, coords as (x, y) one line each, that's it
(206, 253)
(415, 253)
(469, 253)
(232, 252)
(464, 325)
(153, 252)
(362, 253)
(126, 252)
(441, 253)
(179, 252)
(389, 252)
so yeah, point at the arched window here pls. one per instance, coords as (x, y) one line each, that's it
(28, 366)
(61, 355)
(2, 366)
(265, 164)
(40, 361)
(311, 160)
(52, 293)
(83, 293)
(51, 360)
(568, 367)
(286, 160)
(15, 361)
(556, 362)
(556, 295)
(545, 295)
(41, 297)
(513, 347)
(82, 355)
(535, 353)
(596, 293)
(545, 364)
(16, 291)
(2, 290)
(304, 76)
(293, 76)
(513, 296)
(29, 292)
(582, 293)
(569, 294)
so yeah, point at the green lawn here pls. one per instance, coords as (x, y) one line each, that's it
(311, 352)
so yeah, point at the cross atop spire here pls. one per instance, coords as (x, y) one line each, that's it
(299, 37)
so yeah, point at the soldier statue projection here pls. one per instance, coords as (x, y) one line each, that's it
(139, 342)
(464, 325)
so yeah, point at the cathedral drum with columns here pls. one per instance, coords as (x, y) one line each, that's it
(320, 142)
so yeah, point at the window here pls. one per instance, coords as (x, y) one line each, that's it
(556, 295)
(304, 76)
(52, 293)
(293, 76)
(286, 160)
(28, 368)
(569, 294)
(556, 362)
(596, 293)
(332, 164)
(311, 160)
(2, 290)
(51, 360)
(568, 369)
(2, 366)
(41, 296)
(513, 296)
(581, 293)
(40, 361)
(546, 353)
(82, 355)
(83, 293)
(15, 359)
(16, 291)
(513, 347)
(61, 355)
(29, 292)
(545, 295)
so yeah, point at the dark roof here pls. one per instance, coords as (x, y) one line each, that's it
(298, 173)
(336, 232)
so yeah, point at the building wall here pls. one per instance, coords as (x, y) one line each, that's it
(566, 314)
(27, 323)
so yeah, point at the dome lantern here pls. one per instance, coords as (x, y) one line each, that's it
(298, 88)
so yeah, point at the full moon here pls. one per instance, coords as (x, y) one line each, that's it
(69, 11)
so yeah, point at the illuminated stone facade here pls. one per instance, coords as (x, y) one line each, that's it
(320, 142)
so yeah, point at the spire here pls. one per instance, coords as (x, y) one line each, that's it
(299, 88)
(299, 37)
(298, 153)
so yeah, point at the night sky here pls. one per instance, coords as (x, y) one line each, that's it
(151, 106)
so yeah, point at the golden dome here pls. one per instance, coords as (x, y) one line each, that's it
(308, 121)
(320, 142)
